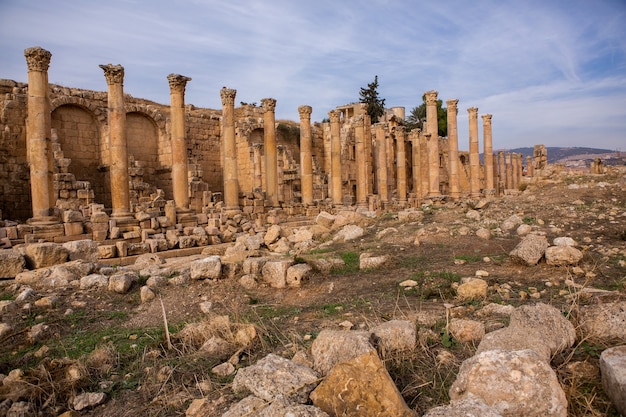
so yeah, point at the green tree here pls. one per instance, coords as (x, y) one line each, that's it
(375, 105)
(417, 117)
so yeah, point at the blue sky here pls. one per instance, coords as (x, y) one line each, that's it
(550, 71)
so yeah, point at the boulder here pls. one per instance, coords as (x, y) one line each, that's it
(467, 407)
(120, 283)
(282, 246)
(334, 346)
(367, 261)
(564, 241)
(85, 249)
(206, 268)
(274, 377)
(515, 383)
(274, 272)
(613, 371)
(272, 235)
(148, 259)
(473, 215)
(254, 265)
(298, 273)
(603, 321)
(472, 289)
(325, 219)
(94, 281)
(511, 223)
(11, 263)
(362, 387)
(466, 331)
(483, 233)
(563, 255)
(249, 406)
(395, 336)
(42, 255)
(523, 229)
(513, 338)
(530, 250)
(349, 232)
(282, 408)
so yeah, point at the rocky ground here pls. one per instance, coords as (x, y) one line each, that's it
(459, 280)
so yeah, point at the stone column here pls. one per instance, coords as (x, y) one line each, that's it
(432, 128)
(38, 132)
(256, 161)
(515, 175)
(453, 149)
(335, 158)
(399, 132)
(520, 168)
(180, 182)
(271, 158)
(488, 155)
(231, 181)
(306, 158)
(529, 166)
(424, 169)
(120, 189)
(361, 163)
(416, 165)
(501, 172)
(474, 156)
(381, 162)
(509, 172)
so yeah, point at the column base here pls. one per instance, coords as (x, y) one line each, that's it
(489, 192)
(43, 221)
(122, 216)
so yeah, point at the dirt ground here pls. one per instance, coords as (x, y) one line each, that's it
(144, 377)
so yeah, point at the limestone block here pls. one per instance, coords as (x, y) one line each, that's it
(395, 336)
(120, 283)
(207, 268)
(72, 216)
(137, 249)
(466, 331)
(172, 238)
(85, 249)
(11, 263)
(483, 233)
(613, 371)
(603, 321)
(274, 377)
(473, 215)
(107, 251)
(186, 242)
(282, 408)
(42, 255)
(530, 250)
(410, 215)
(274, 272)
(254, 265)
(511, 223)
(300, 235)
(349, 232)
(248, 281)
(282, 246)
(472, 289)
(334, 346)
(272, 234)
(236, 253)
(121, 248)
(249, 406)
(367, 261)
(466, 407)
(513, 338)
(563, 255)
(146, 294)
(360, 386)
(298, 273)
(523, 229)
(515, 383)
(252, 243)
(325, 219)
(564, 241)
(99, 217)
(326, 265)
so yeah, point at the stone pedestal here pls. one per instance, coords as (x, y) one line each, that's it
(453, 150)
(271, 156)
(361, 163)
(180, 181)
(381, 162)
(120, 189)
(488, 155)
(474, 156)
(401, 187)
(306, 158)
(231, 181)
(335, 157)
(38, 136)
(432, 128)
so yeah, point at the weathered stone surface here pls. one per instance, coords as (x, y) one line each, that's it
(272, 234)
(367, 261)
(107, 251)
(326, 265)
(42, 255)
(146, 294)
(472, 289)
(88, 400)
(274, 377)
(120, 283)
(21, 409)
(530, 250)
(298, 273)
(325, 219)
(564, 241)
(254, 265)
(207, 268)
(361, 387)
(282, 408)
(11, 263)
(523, 229)
(149, 259)
(395, 336)
(86, 250)
(39, 332)
(515, 383)
(473, 215)
(236, 253)
(334, 346)
(603, 321)
(94, 281)
(511, 223)
(282, 246)
(613, 371)
(563, 255)
(466, 331)
(249, 406)
(300, 235)
(274, 272)
(223, 369)
(467, 407)
(349, 232)
(5, 329)
(483, 233)
(513, 338)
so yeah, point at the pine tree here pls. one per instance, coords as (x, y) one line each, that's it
(375, 105)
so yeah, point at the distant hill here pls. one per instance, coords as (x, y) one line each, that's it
(556, 154)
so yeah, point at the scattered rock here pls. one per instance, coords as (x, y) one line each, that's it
(466, 331)
(395, 336)
(467, 407)
(603, 321)
(249, 406)
(120, 283)
(224, 369)
(563, 255)
(297, 273)
(530, 250)
(207, 268)
(483, 233)
(88, 400)
(146, 294)
(472, 289)
(332, 346)
(349, 232)
(367, 261)
(42, 255)
(11, 263)
(613, 371)
(274, 272)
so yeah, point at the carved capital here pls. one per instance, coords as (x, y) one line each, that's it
(37, 58)
(486, 118)
(473, 112)
(268, 104)
(305, 112)
(359, 121)
(228, 96)
(452, 104)
(114, 74)
(334, 116)
(177, 83)
(431, 98)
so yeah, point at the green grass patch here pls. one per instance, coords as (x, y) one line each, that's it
(333, 309)
(469, 258)
(529, 220)
(411, 262)
(351, 260)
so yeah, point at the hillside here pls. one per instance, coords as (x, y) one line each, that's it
(557, 153)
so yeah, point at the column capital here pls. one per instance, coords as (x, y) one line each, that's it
(473, 112)
(486, 118)
(334, 116)
(500, 153)
(268, 104)
(37, 58)
(359, 121)
(452, 103)
(114, 74)
(305, 112)
(177, 83)
(431, 97)
(228, 96)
